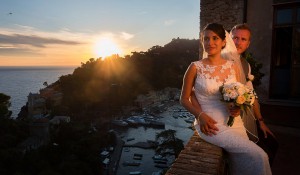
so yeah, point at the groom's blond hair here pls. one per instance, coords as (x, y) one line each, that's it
(243, 26)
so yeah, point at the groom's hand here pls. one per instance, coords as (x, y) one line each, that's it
(265, 129)
(208, 125)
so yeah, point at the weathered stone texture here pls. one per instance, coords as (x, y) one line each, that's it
(198, 158)
(225, 12)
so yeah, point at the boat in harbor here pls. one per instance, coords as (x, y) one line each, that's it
(132, 122)
(135, 173)
(153, 143)
(159, 165)
(159, 157)
(119, 123)
(126, 149)
(156, 173)
(133, 163)
(161, 161)
(130, 139)
(190, 120)
(175, 116)
(137, 156)
(156, 124)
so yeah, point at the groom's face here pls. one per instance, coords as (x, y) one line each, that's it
(241, 39)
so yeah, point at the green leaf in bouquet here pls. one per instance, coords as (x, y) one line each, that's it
(230, 121)
(242, 107)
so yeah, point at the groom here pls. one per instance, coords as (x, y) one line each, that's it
(241, 35)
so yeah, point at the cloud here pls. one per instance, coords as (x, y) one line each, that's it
(169, 22)
(6, 47)
(29, 41)
(24, 28)
(126, 36)
(15, 51)
(32, 40)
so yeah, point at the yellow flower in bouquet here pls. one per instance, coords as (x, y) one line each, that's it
(238, 94)
(240, 99)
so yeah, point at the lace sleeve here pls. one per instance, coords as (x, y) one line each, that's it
(197, 65)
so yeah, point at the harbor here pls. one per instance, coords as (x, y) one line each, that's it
(137, 154)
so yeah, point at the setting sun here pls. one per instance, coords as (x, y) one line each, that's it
(106, 47)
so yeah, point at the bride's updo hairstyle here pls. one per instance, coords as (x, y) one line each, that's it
(217, 29)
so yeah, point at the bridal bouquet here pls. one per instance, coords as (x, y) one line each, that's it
(239, 95)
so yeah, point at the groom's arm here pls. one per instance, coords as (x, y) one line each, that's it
(195, 102)
(257, 113)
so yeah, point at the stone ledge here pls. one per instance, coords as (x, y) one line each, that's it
(199, 158)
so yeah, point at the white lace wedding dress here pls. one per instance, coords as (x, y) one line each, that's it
(245, 157)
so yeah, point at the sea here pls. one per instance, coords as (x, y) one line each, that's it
(18, 82)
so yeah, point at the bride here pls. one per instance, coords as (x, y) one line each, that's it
(204, 77)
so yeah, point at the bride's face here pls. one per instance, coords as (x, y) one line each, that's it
(212, 42)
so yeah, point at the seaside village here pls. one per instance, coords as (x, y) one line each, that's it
(39, 128)
(152, 104)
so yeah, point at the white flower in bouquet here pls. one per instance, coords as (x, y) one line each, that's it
(241, 90)
(250, 99)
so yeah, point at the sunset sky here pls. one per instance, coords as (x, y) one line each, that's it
(68, 32)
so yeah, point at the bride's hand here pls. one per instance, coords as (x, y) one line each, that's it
(233, 110)
(207, 125)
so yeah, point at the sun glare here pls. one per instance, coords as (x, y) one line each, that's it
(106, 47)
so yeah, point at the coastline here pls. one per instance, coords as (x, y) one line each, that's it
(21, 80)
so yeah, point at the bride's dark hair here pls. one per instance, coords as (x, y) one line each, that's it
(216, 28)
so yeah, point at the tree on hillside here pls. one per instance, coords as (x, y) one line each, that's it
(107, 85)
(4, 105)
(169, 141)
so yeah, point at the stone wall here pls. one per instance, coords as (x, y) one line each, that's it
(226, 12)
(259, 18)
